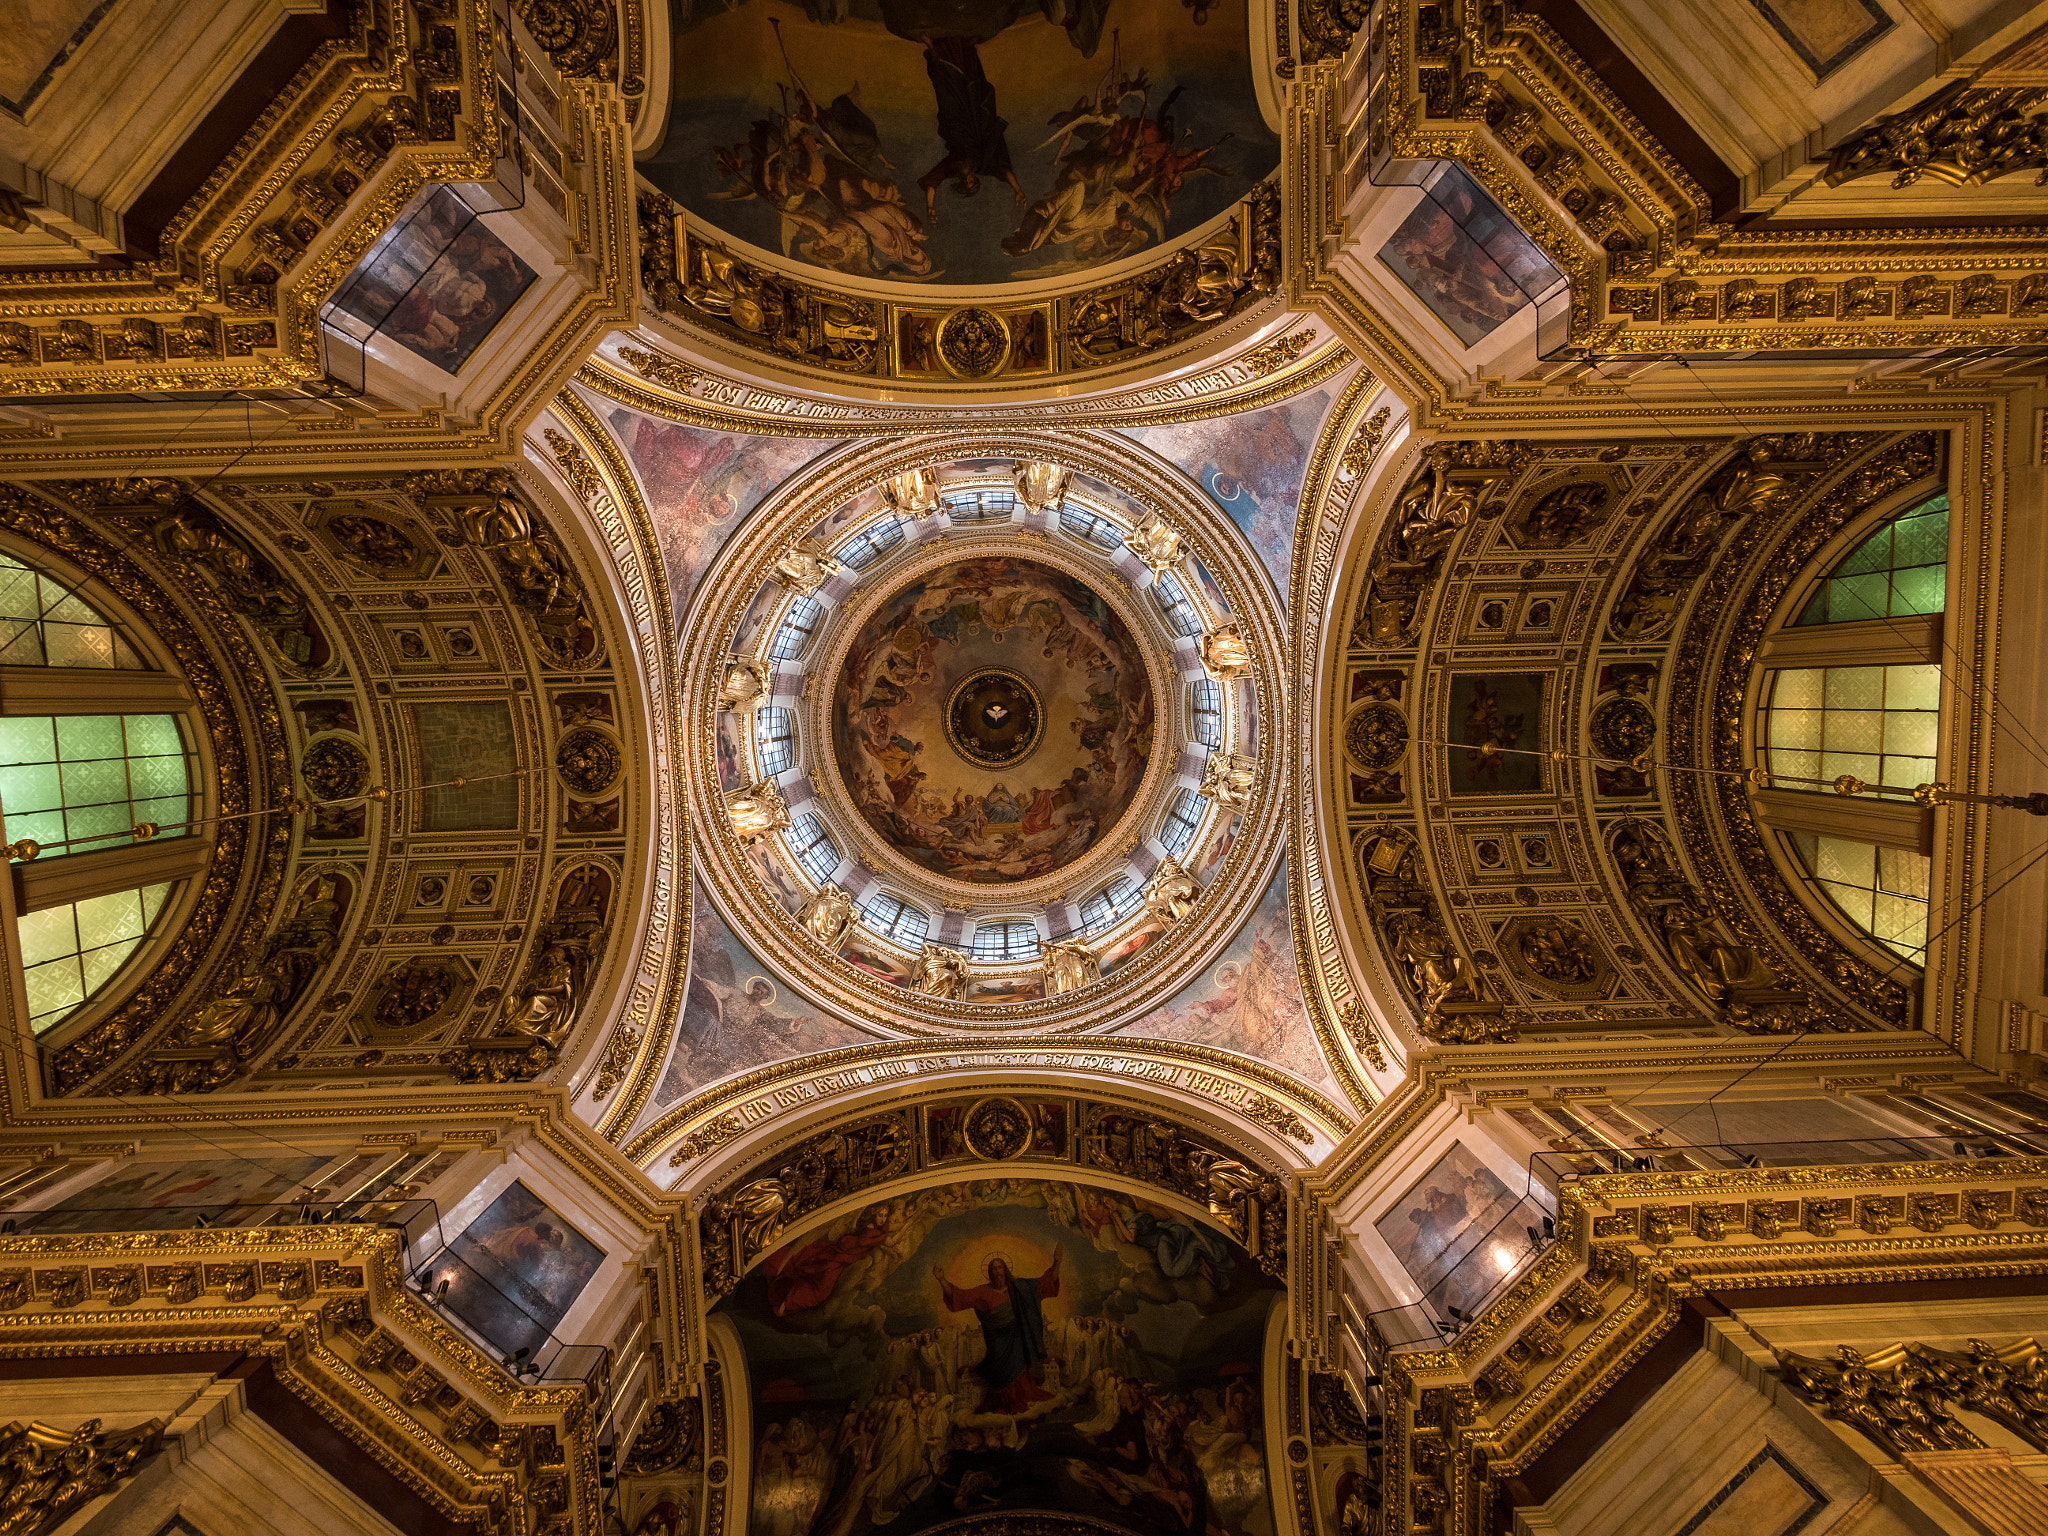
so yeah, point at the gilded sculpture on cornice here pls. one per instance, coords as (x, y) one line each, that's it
(243, 1020)
(1434, 508)
(757, 810)
(912, 493)
(189, 532)
(827, 914)
(1765, 474)
(941, 972)
(1070, 965)
(1156, 542)
(535, 1017)
(1227, 778)
(1730, 975)
(1225, 652)
(803, 571)
(1454, 1009)
(1171, 893)
(1041, 485)
(743, 686)
(539, 574)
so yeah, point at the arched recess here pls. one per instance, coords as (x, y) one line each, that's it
(986, 1341)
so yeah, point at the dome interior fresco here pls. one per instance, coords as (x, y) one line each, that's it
(1024, 767)
(960, 145)
(935, 689)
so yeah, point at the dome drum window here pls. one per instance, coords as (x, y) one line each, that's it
(894, 918)
(1006, 940)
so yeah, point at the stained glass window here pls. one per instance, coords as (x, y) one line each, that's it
(68, 953)
(68, 777)
(1900, 570)
(43, 623)
(1877, 723)
(1883, 891)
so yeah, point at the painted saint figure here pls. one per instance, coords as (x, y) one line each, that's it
(1012, 1329)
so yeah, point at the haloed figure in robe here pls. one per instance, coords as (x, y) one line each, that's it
(1012, 1329)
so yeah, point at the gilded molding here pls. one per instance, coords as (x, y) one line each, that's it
(639, 1043)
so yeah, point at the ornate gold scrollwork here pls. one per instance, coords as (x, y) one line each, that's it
(1962, 136)
(48, 1473)
(1454, 1011)
(581, 36)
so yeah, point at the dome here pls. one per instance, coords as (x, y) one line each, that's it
(992, 719)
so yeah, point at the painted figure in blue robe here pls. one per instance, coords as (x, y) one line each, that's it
(1012, 1329)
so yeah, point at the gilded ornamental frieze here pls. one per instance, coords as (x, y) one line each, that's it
(327, 1308)
(987, 1135)
(1163, 311)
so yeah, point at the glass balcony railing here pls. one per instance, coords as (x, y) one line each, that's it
(1484, 1262)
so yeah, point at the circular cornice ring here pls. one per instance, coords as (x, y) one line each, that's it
(746, 563)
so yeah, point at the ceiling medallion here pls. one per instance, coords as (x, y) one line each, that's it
(993, 719)
(974, 343)
(997, 1130)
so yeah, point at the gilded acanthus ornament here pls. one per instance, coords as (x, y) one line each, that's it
(913, 493)
(827, 915)
(803, 571)
(1893, 1398)
(1769, 470)
(1324, 29)
(941, 972)
(47, 1473)
(743, 687)
(735, 1231)
(1041, 485)
(534, 568)
(1171, 893)
(1156, 543)
(757, 810)
(1225, 653)
(2008, 1386)
(1227, 779)
(581, 36)
(1961, 136)
(1069, 966)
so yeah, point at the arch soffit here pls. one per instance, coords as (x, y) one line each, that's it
(1323, 793)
